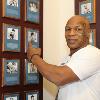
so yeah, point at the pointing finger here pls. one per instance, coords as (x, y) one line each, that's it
(30, 44)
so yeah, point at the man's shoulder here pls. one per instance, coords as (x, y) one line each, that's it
(89, 51)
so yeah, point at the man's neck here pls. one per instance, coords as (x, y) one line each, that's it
(72, 51)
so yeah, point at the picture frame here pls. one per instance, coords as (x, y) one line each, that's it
(11, 38)
(11, 96)
(92, 39)
(33, 36)
(87, 8)
(13, 46)
(31, 73)
(11, 72)
(33, 11)
(33, 95)
(11, 8)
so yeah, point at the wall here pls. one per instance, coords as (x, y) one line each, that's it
(56, 13)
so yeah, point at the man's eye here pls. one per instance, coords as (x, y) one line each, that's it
(67, 29)
(78, 29)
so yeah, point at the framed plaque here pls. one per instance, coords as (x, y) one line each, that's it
(32, 95)
(11, 8)
(11, 38)
(11, 96)
(11, 72)
(88, 9)
(31, 74)
(20, 22)
(32, 10)
(33, 36)
(93, 37)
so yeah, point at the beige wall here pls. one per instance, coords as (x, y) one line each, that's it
(56, 13)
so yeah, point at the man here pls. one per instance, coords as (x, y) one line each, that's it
(32, 97)
(11, 98)
(13, 3)
(33, 37)
(12, 34)
(33, 7)
(78, 77)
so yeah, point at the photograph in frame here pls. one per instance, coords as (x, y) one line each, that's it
(11, 96)
(11, 72)
(33, 36)
(11, 38)
(88, 9)
(92, 39)
(32, 95)
(11, 8)
(32, 10)
(31, 73)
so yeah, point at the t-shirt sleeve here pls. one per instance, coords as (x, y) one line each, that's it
(85, 64)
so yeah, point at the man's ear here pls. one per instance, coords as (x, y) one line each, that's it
(88, 33)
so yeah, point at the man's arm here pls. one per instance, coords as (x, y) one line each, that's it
(59, 75)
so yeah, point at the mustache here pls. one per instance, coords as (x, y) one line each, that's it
(71, 37)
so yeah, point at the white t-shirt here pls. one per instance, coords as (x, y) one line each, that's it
(85, 63)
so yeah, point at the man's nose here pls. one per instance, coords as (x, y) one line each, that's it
(72, 32)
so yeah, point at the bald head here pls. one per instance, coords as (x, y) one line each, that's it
(80, 20)
(77, 32)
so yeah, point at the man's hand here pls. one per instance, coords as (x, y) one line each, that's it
(31, 51)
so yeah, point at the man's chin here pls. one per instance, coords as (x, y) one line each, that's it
(72, 46)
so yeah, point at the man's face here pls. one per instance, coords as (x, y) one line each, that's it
(75, 34)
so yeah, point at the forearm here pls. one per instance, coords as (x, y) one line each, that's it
(49, 71)
(59, 75)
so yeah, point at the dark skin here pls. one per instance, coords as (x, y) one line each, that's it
(77, 36)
